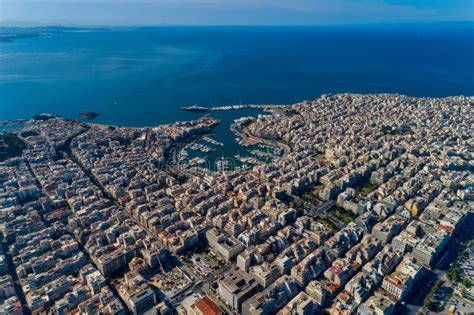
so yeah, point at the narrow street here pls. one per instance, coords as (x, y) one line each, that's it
(12, 271)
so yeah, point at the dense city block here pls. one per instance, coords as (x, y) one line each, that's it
(371, 203)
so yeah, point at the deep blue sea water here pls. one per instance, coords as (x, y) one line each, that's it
(141, 76)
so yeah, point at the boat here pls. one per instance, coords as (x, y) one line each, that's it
(194, 108)
(212, 141)
(223, 165)
(196, 161)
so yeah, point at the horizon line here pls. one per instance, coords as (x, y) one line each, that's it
(74, 25)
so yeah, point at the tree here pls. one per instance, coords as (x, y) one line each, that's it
(466, 282)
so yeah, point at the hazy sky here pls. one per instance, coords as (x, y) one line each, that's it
(231, 12)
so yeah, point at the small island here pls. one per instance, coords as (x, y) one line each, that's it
(89, 115)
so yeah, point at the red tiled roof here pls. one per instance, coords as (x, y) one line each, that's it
(208, 307)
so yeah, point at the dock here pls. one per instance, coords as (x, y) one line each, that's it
(268, 107)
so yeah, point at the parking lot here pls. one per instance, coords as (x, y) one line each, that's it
(439, 300)
(462, 305)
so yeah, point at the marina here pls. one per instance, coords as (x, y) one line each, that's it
(223, 165)
(200, 147)
(227, 148)
(212, 141)
(201, 153)
(247, 159)
(261, 154)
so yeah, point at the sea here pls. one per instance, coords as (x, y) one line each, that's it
(141, 76)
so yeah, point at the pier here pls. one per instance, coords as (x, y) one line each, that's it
(267, 107)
